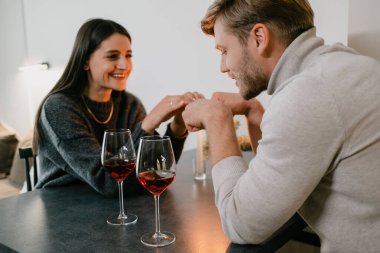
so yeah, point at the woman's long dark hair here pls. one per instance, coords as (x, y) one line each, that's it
(73, 81)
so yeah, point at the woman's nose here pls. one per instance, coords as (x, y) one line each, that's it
(123, 63)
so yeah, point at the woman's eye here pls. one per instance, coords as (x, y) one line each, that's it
(113, 56)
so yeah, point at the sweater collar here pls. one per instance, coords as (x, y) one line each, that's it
(295, 58)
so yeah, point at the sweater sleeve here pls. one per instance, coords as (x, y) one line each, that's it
(135, 113)
(177, 142)
(132, 113)
(300, 139)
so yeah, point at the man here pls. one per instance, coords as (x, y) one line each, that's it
(318, 142)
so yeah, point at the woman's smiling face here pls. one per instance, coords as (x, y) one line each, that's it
(110, 64)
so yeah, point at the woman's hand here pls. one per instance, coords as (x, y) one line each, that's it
(168, 107)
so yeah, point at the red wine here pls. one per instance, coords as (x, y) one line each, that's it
(119, 169)
(156, 181)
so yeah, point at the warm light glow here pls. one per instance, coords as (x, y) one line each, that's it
(39, 66)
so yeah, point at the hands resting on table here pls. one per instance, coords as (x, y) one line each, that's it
(215, 115)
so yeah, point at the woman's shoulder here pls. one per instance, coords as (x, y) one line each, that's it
(60, 102)
(59, 98)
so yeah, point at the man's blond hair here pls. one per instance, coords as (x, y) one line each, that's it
(287, 19)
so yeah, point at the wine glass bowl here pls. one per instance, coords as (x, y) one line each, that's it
(119, 169)
(155, 170)
(119, 159)
(156, 181)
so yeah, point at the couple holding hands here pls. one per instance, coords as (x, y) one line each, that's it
(90, 98)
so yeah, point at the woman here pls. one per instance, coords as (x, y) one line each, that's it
(90, 98)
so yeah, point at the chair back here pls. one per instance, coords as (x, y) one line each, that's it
(26, 153)
(294, 229)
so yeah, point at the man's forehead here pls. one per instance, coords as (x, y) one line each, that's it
(219, 33)
(222, 35)
(219, 26)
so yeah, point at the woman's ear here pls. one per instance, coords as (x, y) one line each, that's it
(260, 35)
(86, 67)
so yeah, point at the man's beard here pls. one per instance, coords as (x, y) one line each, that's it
(252, 80)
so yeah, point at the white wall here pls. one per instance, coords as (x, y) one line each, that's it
(331, 19)
(171, 55)
(12, 54)
(364, 28)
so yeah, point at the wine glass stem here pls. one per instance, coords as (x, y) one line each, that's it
(157, 213)
(121, 202)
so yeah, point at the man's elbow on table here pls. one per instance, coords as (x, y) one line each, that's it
(242, 233)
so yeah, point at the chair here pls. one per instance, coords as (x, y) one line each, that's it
(307, 237)
(26, 153)
(294, 229)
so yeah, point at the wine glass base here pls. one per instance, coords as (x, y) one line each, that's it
(158, 239)
(118, 220)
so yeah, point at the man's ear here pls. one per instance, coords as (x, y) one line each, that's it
(260, 35)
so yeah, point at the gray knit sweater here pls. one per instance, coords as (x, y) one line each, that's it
(319, 153)
(72, 142)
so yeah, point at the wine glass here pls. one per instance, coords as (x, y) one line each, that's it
(155, 170)
(119, 159)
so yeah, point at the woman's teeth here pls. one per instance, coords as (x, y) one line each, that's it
(118, 75)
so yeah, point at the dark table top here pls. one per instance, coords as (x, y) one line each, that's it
(73, 219)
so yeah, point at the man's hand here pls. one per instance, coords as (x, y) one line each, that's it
(216, 118)
(205, 114)
(234, 101)
(252, 109)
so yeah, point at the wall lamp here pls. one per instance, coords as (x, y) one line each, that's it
(39, 66)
